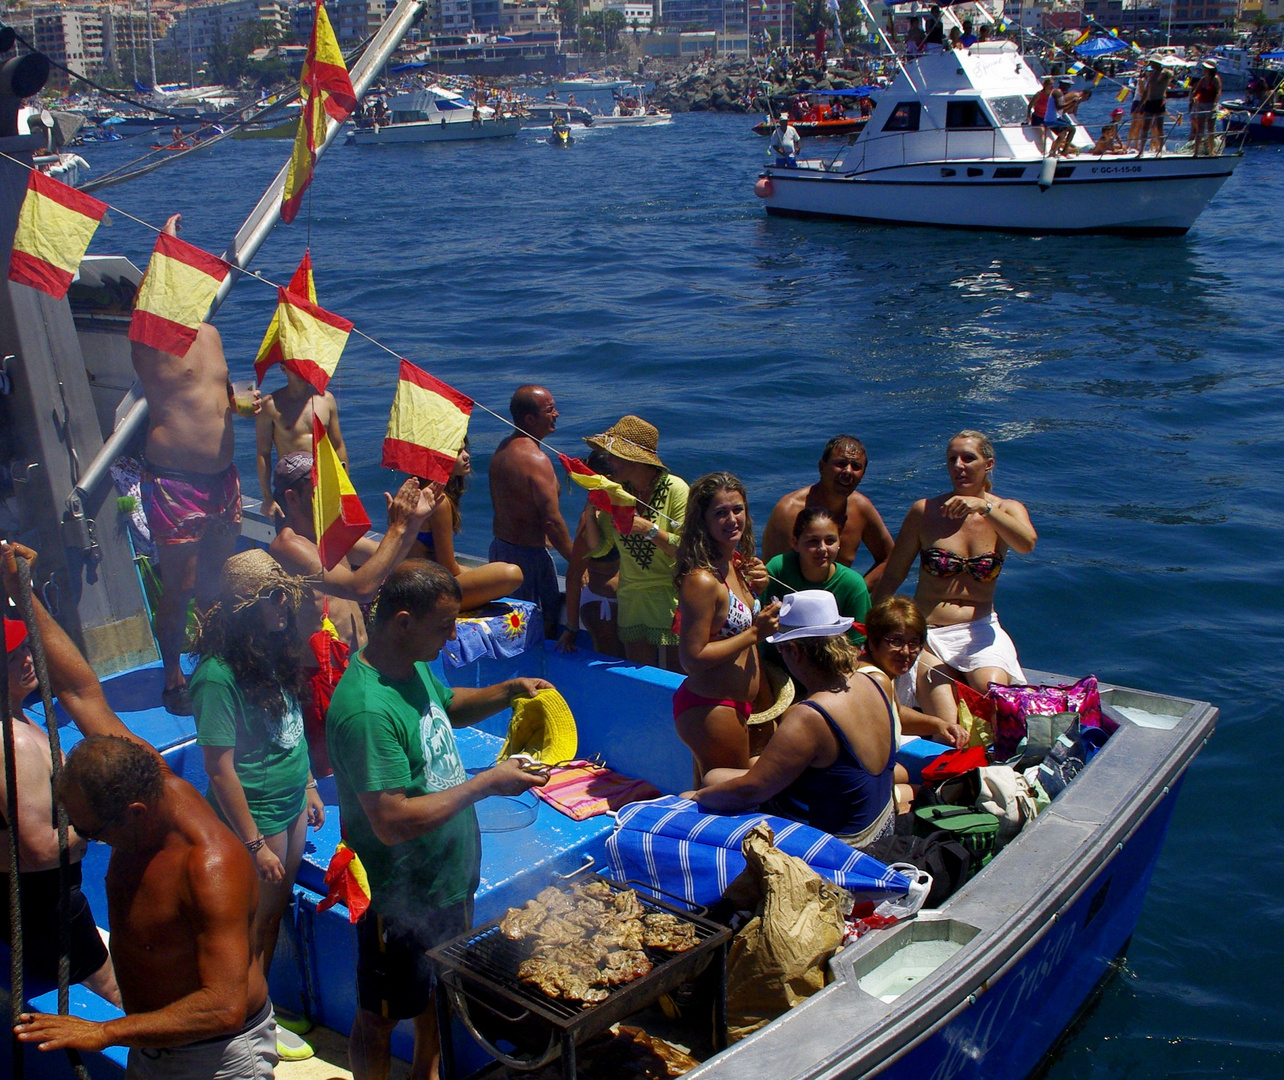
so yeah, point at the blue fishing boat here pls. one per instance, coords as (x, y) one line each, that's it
(982, 986)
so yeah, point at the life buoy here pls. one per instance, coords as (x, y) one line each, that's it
(763, 187)
(1268, 118)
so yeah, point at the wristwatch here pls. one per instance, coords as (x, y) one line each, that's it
(988, 507)
(652, 532)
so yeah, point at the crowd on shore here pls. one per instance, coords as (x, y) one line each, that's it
(297, 676)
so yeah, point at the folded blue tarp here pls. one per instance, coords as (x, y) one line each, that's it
(670, 846)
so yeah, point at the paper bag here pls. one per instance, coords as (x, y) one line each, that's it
(781, 955)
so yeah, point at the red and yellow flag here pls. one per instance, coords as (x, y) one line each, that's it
(346, 883)
(301, 284)
(337, 514)
(427, 426)
(176, 292)
(55, 225)
(327, 92)
(605, 494)
(312, 339)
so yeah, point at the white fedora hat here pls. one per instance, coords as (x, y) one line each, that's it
(810, 613)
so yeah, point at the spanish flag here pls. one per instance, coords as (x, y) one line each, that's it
(427, 426)
(176, 292)
(1124, 91)
(55, 225)
(337, 514)
(1087, 33)
(312, 339)
(301, 284)
(604, 494)
(327, 92)
(346, 882)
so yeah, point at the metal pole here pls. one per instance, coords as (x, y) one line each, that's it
(250, 236)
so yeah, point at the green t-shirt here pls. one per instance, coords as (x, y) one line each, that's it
(384, 734)
(848, 587)
(270, 755)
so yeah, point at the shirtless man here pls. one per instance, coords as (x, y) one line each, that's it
(285, 423)
(38, 850)
(181, 894)
(1153, 92)
(523, 492)
(842, 467)
(346, 587)
(191, 491)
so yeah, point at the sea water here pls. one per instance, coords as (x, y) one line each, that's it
(1133, 389)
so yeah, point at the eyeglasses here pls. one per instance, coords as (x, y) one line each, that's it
(897, 643)
(94, 834)
(276, 597)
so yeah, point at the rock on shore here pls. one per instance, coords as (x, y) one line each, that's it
(736, 85)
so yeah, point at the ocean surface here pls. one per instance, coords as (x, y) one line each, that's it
(1133, 388)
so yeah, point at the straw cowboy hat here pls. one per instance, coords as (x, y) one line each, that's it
(630, 438)
(782, 694)
(248, 575)
(810, 613)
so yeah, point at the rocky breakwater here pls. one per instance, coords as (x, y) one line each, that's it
(741, 86)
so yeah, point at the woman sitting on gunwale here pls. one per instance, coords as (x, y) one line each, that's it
(961, 540)
(830, 762)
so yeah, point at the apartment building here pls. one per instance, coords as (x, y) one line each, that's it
(195, 30)
(73, 37)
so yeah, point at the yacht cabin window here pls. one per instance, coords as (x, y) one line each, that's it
(1009, 111)
(966, 113)
(904, 117)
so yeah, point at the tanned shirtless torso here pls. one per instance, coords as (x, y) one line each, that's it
(842, 467)
(523, 485)
(285, 425)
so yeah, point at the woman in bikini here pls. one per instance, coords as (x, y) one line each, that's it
(480, 584)
(830, 762)
(718, 579)
(960, 539)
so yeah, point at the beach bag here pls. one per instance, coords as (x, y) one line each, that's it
(954, 763)
(948, 861)
(1041, 734)
(1007, 795)
(781, 955)
(977, 831)
(1013, 705)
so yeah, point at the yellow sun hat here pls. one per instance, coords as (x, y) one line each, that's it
(543, 727)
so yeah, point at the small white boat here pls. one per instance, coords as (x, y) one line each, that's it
(435, 114)
(70, 169)
(631, 108)
(591, 83)
(948, 146)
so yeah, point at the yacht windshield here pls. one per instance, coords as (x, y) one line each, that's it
(1009, 111)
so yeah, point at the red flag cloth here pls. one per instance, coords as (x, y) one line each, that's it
(332, 656)
(600, 498)
(301, 284)
(338, 517)
(175, 295)
(980, 705)
(426, 426)
(55, 225)
(346, 882)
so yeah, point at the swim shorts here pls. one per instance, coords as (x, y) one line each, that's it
(250, 1054)
(182, 507)
(539, 577)
(684, 699)
(41, 915)
(1153, 108)
(395, 978)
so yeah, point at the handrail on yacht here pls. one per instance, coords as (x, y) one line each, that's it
(248, 239)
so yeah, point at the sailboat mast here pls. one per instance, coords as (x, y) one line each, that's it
(151, 44)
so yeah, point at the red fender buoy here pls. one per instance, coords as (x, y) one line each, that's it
(1268, 118)
(763, 187)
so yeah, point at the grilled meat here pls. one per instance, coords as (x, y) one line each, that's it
(668, 933)
(522, 922)
(627, 905)
(559, 980)
(624, 965)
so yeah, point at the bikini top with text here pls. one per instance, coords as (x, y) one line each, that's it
(941, 563)
(739, 616)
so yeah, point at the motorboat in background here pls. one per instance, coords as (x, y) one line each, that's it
(631, 109)
(434, 114)
(822, 119)
(948, 145)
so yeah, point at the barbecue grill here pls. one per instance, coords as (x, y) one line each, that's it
(478, 974)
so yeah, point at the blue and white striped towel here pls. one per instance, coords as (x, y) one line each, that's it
(670, 845)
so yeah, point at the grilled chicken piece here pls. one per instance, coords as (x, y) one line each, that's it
(628, 934)
(557, 901)
(559, 980)
(555, 930)
(668, 933)
(522, 922)
(624, 965)
(626, 904)
(597, 890)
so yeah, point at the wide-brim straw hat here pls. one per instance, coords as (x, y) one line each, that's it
(630, 438)
(543, 727)
(247, 575)
(782, 694)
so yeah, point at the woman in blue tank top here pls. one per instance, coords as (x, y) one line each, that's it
(829, 763)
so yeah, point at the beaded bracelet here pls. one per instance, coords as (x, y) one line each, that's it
(252, 846)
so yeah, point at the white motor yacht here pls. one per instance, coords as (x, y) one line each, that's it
(948, 145)
(631, 109)
(434, 114)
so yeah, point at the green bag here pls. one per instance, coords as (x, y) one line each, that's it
(976, 830)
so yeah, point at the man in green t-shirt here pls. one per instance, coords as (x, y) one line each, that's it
(407, 804)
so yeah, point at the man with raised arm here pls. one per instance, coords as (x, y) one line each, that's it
(842, 467)
(181, 894)
(191, 491)
(38, 849)
(523, 492)
(407, 806)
